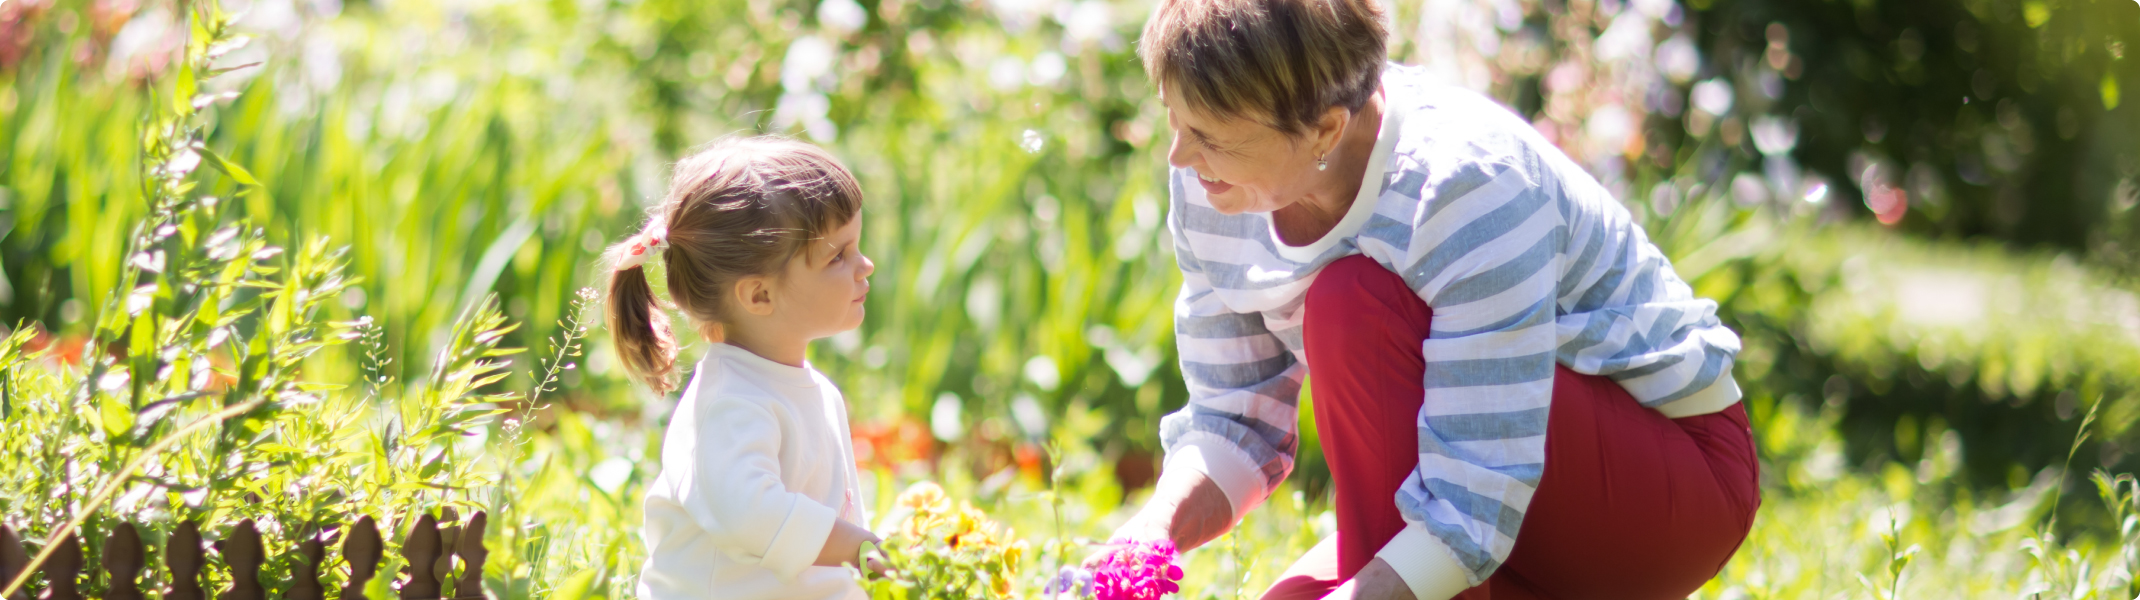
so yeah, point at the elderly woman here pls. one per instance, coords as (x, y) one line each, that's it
(1517, 396)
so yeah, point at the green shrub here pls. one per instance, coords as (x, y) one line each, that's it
(210, 389)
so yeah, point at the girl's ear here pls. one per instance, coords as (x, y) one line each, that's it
(754, 295)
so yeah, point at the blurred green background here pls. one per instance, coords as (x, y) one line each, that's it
(1920, 215)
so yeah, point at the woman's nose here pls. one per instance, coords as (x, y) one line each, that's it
(1178, 154)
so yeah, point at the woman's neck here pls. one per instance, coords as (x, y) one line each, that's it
(1303, 222)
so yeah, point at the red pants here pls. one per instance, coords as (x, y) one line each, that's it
(1631, 505)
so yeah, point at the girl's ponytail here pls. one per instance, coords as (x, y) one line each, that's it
(637, 324)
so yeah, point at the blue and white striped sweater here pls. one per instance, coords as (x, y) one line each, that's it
(1526, 261)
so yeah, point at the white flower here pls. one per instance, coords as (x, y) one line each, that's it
(842, 16)
(809, 59)
(1678, 59)
(1607, 130)
(1087, 22)
(944, 417)
(1713, 96)
(1006, 73)
(1774, 135)
(806, 108)
(1048, 68)
(1627, 38)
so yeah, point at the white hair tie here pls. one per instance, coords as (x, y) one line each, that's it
(644, 246)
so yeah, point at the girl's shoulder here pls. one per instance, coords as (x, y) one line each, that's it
(716, 382)
(730, 374)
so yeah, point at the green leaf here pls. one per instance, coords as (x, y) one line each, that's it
(379, 589)
(2110, 91)
(183, 90)
(579, 585)
(2036, 13)
(274, 448)
(142, 330)
(116, 417)
(230, 169)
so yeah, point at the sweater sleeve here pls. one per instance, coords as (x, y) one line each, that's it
(736, 496)
(1484, 256)
(1244, 385)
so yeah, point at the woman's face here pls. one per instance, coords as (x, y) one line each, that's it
(1244, 165)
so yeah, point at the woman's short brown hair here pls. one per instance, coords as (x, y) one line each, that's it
(1281, 62)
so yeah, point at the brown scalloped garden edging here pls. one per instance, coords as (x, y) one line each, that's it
(441, 546)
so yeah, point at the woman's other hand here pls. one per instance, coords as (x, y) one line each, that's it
(1376, 581)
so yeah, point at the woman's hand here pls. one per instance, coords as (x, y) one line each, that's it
(1376, 581)
(1187, 507)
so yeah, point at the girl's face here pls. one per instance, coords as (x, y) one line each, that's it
(823, 287)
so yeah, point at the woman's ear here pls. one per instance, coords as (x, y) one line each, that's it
(754, 295)
(1330, 128)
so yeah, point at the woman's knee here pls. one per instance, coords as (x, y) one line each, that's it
(1356, 291)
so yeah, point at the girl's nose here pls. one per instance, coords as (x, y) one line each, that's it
(868, 266)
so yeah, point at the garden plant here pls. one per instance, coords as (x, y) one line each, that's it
(278, 264)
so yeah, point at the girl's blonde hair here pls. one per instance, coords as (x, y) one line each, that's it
(738, 207)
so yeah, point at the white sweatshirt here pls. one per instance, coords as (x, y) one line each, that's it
(755, 468)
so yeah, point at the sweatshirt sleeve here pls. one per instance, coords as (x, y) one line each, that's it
(735, 492)
(1244, 387)
(1484, 258)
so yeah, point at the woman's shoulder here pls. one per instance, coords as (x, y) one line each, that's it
(1456, 136)
(1446, 119)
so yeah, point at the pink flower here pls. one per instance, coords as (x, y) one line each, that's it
(1137, 570)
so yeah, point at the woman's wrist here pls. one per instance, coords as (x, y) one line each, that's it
(1186, 507)
(1376, 581)
(1380, 581)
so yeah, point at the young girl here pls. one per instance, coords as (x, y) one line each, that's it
(760, 242)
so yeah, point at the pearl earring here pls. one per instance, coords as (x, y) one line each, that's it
(1320, 164)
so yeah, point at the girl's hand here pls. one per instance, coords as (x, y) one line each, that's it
(844, 546)
(874, 565)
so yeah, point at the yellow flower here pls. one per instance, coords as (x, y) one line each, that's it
(925, 497)
(970, 519)
(961, 540)
(1002, 585)
(1012, 554)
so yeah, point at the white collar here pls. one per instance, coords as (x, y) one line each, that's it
(1363, 205)
(772, 369)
